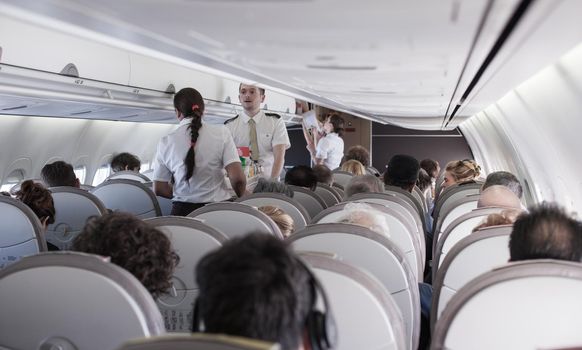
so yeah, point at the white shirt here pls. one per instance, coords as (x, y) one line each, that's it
(331, 150)
(271, 131)
(310, 121)
(214, 150)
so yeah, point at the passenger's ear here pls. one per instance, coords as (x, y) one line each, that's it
(44, 223)
(77, 183)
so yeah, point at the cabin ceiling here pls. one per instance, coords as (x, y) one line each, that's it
(398, 61)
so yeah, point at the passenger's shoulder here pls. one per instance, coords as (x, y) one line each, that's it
(273, 115)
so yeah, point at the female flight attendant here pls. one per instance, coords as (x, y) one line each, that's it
(330, 149)
(195, 156)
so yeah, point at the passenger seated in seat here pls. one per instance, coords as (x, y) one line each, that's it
(364, 215)
(302, 176)
(361, 154)
(504, 178)
(546, 232)
(59, 173)
(132, 244)
(40, 200)
(460, 172)
(272, 186)
(255, 287)
(506, 217)
(125, 161)
(498, 196)
(323, 174)
(283, 220)
(363, 184)
(354, 167)
(402, 172)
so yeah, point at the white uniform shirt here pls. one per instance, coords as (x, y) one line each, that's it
(271, 131)
(214, 150)
(331, 150)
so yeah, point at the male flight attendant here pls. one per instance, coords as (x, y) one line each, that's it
(264, 133)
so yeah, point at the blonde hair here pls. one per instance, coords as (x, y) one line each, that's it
(463, 170)
(353, 166)
(506, 217)
(282, 219)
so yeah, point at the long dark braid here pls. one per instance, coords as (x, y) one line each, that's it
(190, 104)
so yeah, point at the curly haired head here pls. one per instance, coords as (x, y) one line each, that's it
(39, 199)
(460, 171)
(132, 244)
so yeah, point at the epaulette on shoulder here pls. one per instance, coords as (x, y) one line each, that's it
(230, 120)
(274, 115)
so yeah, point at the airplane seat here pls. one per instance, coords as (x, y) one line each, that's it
(311, 201)
(456, 230)
(401, 233)
(87, 188)
(417, 193)
(472, 256)
(457, 208)
(382, 258)
(129, 175)
(329, 195)
(289, 205)
(531, 304)
(165, 205)
(339, 189)
(399, 205)
(341, 177)
(73, 207)
(236, 219)
(199, 341)
(365, 314)
(191, 240)
(70, 300)
(453, 193)
(407, 196)
(128, 196)
(21, 231)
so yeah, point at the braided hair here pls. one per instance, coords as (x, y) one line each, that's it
(190, 104)
(39, 199)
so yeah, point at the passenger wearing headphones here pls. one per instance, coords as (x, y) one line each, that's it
(256, 287)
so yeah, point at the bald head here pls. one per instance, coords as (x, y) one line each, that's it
(498, 196)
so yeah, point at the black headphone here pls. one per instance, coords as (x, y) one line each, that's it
(320, 325)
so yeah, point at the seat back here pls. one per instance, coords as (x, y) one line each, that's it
(417, 193)
(461, 206)
(383, 259)
(310, 200)
(46, 304)
(341, 177)
(128, 196)
(165, 205)
(289, 205)
(339, 189)
(533, 304)
(129, 175)
(473, 255)
(21, 231)
(366, 315)
(199, 341)
(453, 193)
(191, 240)
(73, 207)
(329, 194)
(458, 229)
(408, 197)
(401, 232)
(241, 219)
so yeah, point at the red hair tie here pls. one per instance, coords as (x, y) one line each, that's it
(195, 107)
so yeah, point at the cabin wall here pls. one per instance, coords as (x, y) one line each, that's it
(534, 132)
(28, 143)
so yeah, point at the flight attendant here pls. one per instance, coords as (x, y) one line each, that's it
(330, 149)
(195, 156)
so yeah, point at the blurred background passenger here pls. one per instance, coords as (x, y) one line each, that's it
(40, 200)
(354, 167)
(460, 172)
(125, 162)
(59, 173)
(272, 186)
(302, 176)
(282, 219)
(323, 174)
(363, 184)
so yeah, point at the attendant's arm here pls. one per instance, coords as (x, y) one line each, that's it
(163, 189)
(279, 160)
(237, 178)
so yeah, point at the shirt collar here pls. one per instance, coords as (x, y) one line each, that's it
(185, 121)
(257, 118)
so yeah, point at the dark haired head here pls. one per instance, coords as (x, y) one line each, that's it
(504, 178)
(302, 176)
(358, 153)
(39, 199)
(323, 174)
(255, 287)
(272, 186)
(190, 104)
(338, 123)
(402, 172)
(132, 244)
(546, 232)
(431, 167)
(59, 173)
(424, 182)
(125, 161)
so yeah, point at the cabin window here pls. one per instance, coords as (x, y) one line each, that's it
(145, 167)
(14, 178)
(80, 173)
(102, 173)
